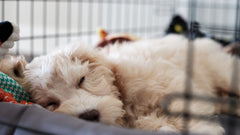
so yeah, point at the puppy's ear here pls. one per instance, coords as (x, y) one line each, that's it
(83, 54)
(84, 58)
(91, 55)
(88, 54)
(19, 67)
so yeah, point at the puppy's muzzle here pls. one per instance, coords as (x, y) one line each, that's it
(91, 115)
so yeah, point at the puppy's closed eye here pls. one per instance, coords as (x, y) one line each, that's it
(81, 81)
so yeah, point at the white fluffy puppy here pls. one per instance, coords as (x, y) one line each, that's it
(126, 86)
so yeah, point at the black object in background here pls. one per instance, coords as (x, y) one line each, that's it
(180, 26)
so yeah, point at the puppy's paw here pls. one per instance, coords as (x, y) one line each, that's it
(167, 129)
(209, 129)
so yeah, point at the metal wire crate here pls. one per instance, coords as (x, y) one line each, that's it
(46, 24)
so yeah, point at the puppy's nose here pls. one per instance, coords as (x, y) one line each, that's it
(91, 115)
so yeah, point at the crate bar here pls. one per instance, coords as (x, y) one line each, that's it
(3, 10)
(189, 66)
(17, 20)
(32, 30)
(122, 24)
(235, 78)
(145, 2)
(109, 17)
(225, 24)
(152, 6)
(237, 24)
(69, 17)
(145, 20)
(100, 14)
(79, 27)
(90, 14)
(138, 24)
(143, 29)
(213, 17)
(131, 11)
(44, 26)
(57, 24)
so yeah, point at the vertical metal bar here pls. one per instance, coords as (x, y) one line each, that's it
(237, 24)
(145, 19)
(90, 21)
(155, 19)
(17, 20)
(213, 17)
(119, 16)
(69, 8)
(189, 67)
(32, 29)
(114, 18)
(44, 26)
(160, 18)
(109, 17)
(224, 18)
(138, 17)
(152, 6)
(126, 19)
(231, 124)
(157, 23)
(100, 12)
(3, 5)
(131, 29)
(148, 19)
(57, 24)
(174, 6)
(79, 16)
(122, 23)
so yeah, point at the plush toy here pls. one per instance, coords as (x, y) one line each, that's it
(8, 97)
(10, 90)
(179, 26)
(114, 38)
(11, 86)
(8, 34)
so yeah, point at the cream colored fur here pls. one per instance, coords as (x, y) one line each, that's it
(128, 84)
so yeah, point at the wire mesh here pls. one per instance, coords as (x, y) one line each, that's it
(46, 24)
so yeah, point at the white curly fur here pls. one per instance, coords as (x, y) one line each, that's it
(127, 84)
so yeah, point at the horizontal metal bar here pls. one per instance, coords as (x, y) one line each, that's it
(143, 30)
(145, 2)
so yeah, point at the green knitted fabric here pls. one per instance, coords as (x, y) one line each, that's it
(11, 86)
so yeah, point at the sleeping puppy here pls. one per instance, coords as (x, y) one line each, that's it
(14, 66)
(128, 86)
